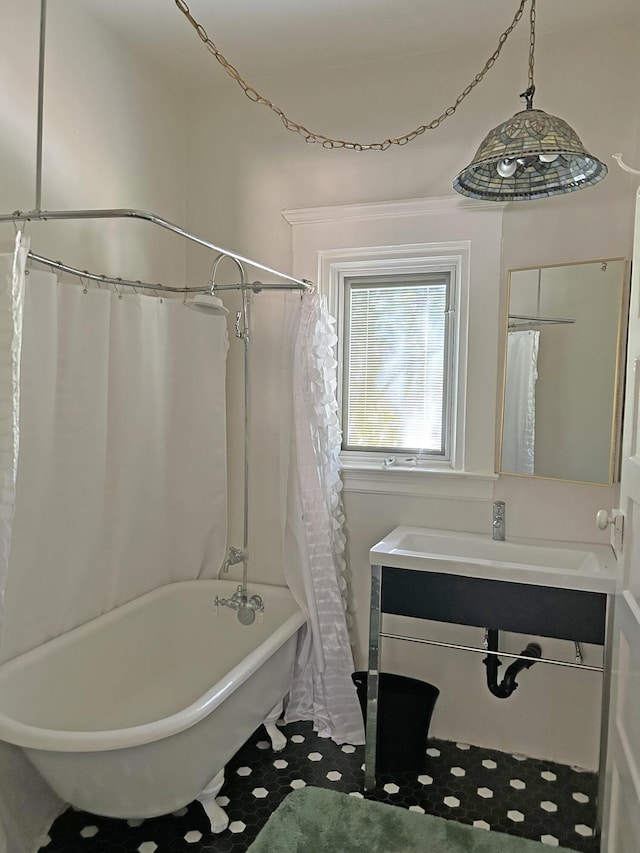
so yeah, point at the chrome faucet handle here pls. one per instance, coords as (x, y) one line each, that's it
(256, 603)
(498, 521)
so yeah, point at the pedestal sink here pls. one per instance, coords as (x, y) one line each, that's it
(567, 565)
(543, 588)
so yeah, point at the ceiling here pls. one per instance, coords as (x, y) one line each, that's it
(262, 37)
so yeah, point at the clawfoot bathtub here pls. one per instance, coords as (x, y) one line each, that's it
(136, 713)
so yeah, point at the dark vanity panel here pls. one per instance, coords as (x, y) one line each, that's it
(565, 614)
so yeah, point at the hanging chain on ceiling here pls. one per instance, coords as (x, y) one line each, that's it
(327, 141)
(528, 95)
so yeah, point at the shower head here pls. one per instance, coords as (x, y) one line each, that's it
(207, 303)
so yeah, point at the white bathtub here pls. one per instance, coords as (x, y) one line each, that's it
(136, 713)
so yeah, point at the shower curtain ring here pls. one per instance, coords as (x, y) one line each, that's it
(19, 227)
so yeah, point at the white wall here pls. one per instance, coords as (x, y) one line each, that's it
(114, 136)
(247, 169)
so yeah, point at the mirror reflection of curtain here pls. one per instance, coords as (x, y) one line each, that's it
(519, 429)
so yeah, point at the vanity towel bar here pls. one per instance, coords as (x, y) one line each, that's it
(571, 664)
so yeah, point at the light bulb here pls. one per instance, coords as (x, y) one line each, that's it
(506, 168)
(547, 158)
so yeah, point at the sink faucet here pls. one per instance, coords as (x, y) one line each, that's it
(498, 523)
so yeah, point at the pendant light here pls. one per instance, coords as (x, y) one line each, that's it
(531, 155)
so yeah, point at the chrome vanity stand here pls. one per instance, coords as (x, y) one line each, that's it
(446, 594)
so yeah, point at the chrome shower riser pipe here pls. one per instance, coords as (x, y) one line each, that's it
(242, 332)
(246, 340)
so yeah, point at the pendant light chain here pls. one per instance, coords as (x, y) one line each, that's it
(327, 141)
(528, 95)
(532, 42)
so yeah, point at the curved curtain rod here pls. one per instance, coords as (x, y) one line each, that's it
(126, 213)
(255, 286)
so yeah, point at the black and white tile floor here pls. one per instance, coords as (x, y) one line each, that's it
(509, 793)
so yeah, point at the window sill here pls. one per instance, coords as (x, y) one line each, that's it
(418, 482)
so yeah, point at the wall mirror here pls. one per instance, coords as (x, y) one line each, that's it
(563, 371)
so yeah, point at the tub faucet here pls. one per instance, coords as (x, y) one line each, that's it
(235, 555)
(498, 523)
(245, 605)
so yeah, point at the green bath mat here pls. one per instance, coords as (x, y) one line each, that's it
(316, 820)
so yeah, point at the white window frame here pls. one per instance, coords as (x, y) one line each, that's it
(395, 454)
(416, 259)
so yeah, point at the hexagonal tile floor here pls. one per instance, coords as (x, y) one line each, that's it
(493, 790)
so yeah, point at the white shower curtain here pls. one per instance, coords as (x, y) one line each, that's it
(121, 479)
(27, 804)
(519, 428)
(12, 275)
(122, 471)
(313, 532)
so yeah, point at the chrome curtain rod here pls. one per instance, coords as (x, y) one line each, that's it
(255, 286)
(125, 213)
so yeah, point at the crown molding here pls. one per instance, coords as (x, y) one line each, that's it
(389, 209)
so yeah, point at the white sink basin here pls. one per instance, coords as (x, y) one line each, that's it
(569, 565)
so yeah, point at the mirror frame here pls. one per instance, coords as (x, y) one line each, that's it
(618, 396)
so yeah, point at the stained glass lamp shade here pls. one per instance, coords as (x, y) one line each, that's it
(531, 155)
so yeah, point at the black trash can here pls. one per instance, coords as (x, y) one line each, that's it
(405, 706)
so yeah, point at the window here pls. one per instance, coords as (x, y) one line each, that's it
(458, 240)
(396, 358)
(402, 321)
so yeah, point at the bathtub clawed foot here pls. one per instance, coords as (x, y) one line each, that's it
(278, 740)
(218, 818)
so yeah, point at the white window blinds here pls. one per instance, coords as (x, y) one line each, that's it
(395, 383)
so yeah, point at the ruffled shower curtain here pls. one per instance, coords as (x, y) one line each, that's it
(314, 540)
(519, 428)
(121, 475)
